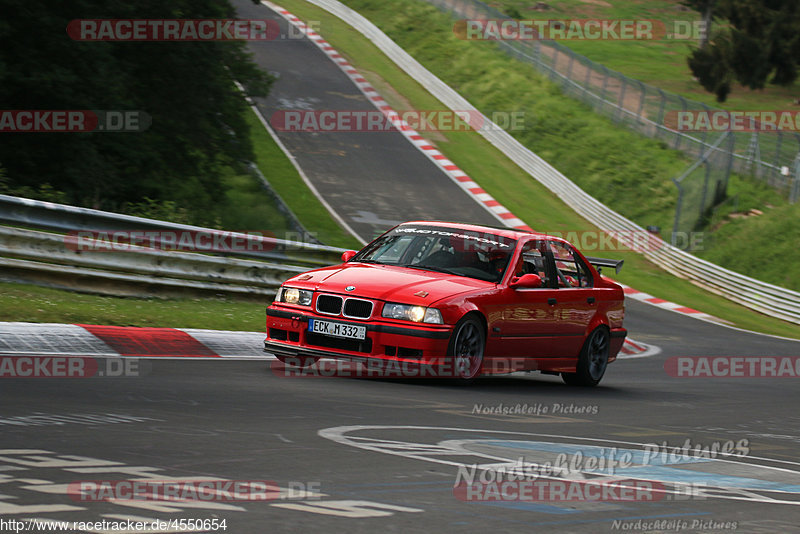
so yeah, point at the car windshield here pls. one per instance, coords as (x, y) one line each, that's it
(480, 255)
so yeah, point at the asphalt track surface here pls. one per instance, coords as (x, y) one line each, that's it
(373, 179)
(248, 421)
(382, 455)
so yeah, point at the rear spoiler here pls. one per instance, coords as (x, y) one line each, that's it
(601, 262)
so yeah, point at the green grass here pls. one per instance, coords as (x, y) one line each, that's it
(576, 136)
(658, 62)
(26, 303)
(247, 207)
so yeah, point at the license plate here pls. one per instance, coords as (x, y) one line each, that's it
(329, 328)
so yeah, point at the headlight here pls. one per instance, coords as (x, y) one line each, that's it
(406, 312)
(291, 295)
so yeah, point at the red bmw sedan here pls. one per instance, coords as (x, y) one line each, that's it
(457, 300)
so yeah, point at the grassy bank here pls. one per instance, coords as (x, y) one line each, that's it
(660, 62)
(34, 304)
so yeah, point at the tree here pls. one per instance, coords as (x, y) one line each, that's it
(760, 46)
(187, 88)
(706, 8)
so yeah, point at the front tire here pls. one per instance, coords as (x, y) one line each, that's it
(465, 352)
(592, 361)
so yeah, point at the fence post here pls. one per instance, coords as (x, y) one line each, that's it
(729, 167)
(753, 162)
(703, 142)
(621, 101)
(568, 75)
(776, 162)
(605, 84)
(641, 102)
(588, 81)
(678, 206)
(704, 196)
(796, 183)
(660, 118)
(679, 134)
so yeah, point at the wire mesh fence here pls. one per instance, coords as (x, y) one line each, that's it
(701, 187)
(768, 156)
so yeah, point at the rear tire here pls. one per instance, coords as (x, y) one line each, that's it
(465, 352)
(592, 361)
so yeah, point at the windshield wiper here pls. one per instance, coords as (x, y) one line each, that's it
(423, 267)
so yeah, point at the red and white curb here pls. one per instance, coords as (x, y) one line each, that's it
(647, 298)
(635, 349)
(484, 199)
(52, 339)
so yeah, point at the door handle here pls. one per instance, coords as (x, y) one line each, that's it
(590, 300)
(552, 302)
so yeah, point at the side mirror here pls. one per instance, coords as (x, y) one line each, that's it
(347, 255)
(526, 281)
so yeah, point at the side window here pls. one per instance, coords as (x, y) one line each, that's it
(570, 269)
(533, 261)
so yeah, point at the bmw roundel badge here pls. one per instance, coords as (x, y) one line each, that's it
(350, 288)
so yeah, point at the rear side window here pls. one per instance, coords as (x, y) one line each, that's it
(571, 271)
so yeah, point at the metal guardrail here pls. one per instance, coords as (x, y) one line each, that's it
(60, 217)
(757, 295)
(115, 267)
(53, 251)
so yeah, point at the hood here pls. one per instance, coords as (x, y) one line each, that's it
(389, 283)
